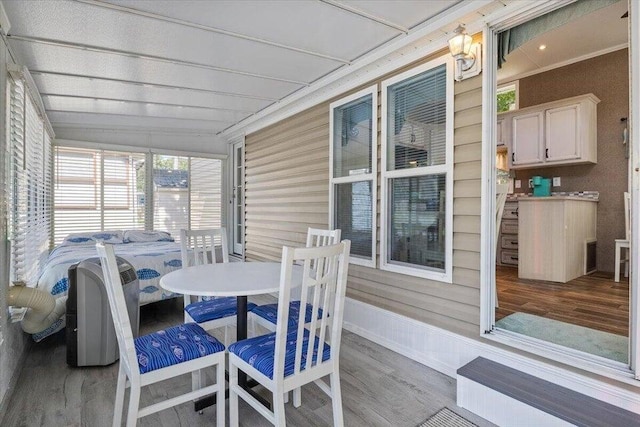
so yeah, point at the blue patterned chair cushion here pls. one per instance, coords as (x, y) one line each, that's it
(174, 345)
(217, 308)
(259, 352)
(270, 313)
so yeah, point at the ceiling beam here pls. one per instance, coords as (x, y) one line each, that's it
(136, 55)
(148, 84)
(176, 21)
(131, 101)
(366, 15)
(138, 115)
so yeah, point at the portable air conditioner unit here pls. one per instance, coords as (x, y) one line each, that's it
(91, 338)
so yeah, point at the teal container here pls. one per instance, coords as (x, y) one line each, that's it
(541, 186)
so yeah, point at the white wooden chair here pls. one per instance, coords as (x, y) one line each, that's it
(501, 198)
(197, 248)
(266, 314)
(165, 354)
(281, 361)
(621, 244)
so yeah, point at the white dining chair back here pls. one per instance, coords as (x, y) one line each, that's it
(198, 247)
(140, 367)
(623, 244)
(317, 237)
(295, 355)
(501, 198)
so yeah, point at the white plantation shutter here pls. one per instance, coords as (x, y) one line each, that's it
(98, 190)
(30, 190)
(123, 176)
(206, 193)
(18, 217)
(107, 190)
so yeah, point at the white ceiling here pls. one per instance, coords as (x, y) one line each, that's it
(193, 65)
(203, 66)
(599, 31)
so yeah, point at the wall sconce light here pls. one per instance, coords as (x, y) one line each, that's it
(466, 53)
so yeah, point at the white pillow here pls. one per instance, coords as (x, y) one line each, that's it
(107, 236)
(132, 236)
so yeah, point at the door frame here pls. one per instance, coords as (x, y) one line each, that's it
(612, 369)
(235, 247)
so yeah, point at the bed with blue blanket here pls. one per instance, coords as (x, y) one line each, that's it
(152, 254)
(151, 261)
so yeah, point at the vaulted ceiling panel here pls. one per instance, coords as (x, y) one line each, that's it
(63, 103)
(71, 22)
(403, 13)
(109, 121)
(42, 57)
(307, 24)
(55, 84)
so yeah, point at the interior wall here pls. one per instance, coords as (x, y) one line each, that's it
(607, 77)
(13, 342)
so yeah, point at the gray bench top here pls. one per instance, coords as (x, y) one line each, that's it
(568, 405)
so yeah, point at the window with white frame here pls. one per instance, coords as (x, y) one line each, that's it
(417, 171)
(353, 145)
(105, 190)
(507, 97)
(29, 186)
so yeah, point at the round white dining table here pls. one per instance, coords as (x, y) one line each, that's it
(232, 279)
(227, 279)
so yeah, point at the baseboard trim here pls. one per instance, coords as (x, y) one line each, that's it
(446, 351)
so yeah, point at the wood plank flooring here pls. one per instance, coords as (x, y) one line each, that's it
(379, 388)
(594, 301)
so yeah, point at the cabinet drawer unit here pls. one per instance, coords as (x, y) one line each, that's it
(509, 257)
(509, 226)
(509, 242)
(510, 210)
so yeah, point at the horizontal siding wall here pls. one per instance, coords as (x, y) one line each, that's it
(286, 183)
(287, 188)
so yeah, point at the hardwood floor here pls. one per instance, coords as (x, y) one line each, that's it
(379, 388)
(594, 301)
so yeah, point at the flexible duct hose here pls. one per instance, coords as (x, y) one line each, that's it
(42, 311)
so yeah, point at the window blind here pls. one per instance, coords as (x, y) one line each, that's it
(98, 190)
(30, 171)
(108, 190)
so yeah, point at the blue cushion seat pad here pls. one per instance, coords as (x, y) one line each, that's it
(270, 312)
(174, 345)
(217, 308)
(259, 352)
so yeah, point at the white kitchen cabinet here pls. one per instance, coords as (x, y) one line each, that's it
(502, 132)
(556, 133)
(527, 139)
(562, 134)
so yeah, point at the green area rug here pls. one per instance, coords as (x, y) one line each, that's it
(604, 344)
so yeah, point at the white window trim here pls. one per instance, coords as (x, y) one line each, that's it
(447, 168)
(503, 86)
(372, 176)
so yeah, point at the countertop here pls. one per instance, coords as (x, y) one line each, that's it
(554, 198)
(589, 196)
